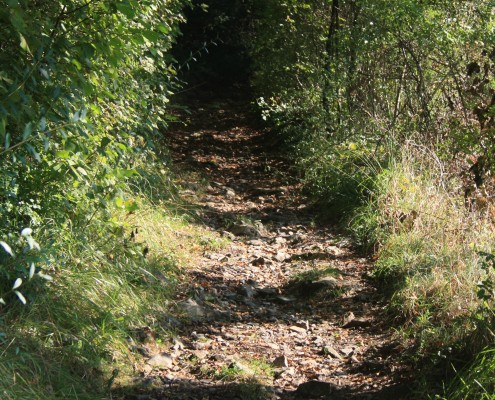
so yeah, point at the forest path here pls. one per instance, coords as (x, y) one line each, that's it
(285, 309)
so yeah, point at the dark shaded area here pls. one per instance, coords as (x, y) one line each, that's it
(210, 51)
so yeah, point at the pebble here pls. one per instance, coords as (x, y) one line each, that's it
(298, 330)
(281, 362)
(161, 360)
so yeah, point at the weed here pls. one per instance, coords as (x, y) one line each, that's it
(109, 281)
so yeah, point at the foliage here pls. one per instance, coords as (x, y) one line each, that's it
(84, 87)
(366, 74)
(388, 108)
(474, 381)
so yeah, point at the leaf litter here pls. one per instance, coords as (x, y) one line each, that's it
(285, 310)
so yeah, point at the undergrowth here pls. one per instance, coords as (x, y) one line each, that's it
(73, 338)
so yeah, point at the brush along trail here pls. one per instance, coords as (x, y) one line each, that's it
(283, 310)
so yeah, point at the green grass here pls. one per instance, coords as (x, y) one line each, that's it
(73, 338)
(428, 247)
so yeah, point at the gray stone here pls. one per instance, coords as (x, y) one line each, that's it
(243, 229)
(194, 311)
(315, 389)
(281, 256)
(332, 352)
(247, 291)
(281, 362)
(199, 354)
(228, 235)
(280, 240)
(178, 344)
(161, 360)
(297, 329)
(347, 351)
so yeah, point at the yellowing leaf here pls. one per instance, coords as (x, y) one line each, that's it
(24, 45)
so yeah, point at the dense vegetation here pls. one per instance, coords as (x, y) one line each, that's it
(389, 107)
(84, 88)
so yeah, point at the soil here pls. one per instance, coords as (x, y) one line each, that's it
(286, 309)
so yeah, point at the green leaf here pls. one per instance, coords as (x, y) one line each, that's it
(125, 173)
(76, 63)
(131, 206)
(164, 28)
(7, 141)
(82, 171)
(64, 154)
(33, 152)
(20, 296)
(7, 248)
(24, 45)
(3, 124)
(105, 142)
(17, 283)
(16, 17)
(152, 36)
(126, 9)
(28, 129)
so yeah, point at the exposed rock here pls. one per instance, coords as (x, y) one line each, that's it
(193, 310)
(229, 193)
(202, 344)
(258, 261)
(178, 344)
(314, 389)
(347, 351)
(297, 329)
(332, 352)
(243, 229)
(281, 362)
(228, 235)
(281, 256)
(303, 324)
(199, 354)
(161, 360)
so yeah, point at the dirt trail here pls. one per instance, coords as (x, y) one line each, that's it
(285, 310)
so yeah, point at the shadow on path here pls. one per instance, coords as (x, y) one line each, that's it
(286, 303)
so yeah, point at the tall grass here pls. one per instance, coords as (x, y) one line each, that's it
(75, 336)
(429, 242)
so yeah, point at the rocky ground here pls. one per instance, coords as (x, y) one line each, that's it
(285, 309)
